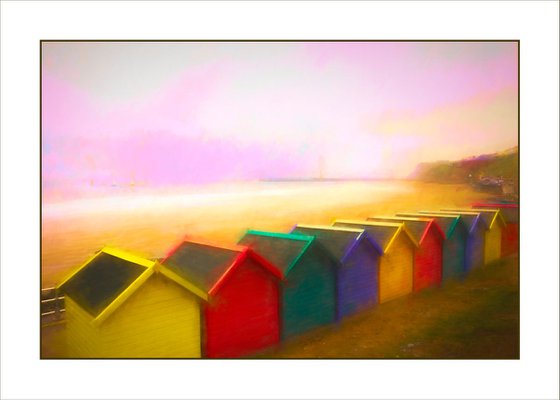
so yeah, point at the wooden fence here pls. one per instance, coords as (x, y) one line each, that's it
(52, 306)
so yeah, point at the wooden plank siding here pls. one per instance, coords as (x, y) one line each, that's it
(476, 248)
(309, 293)
(396, 264)
(429, 253)
(454, 245)
(428, 260)
(510, 239)
(82, 337)
(454, 255)
(493, 244)
(160, 320)
(358, 279)
(396, 270)
(243, 317)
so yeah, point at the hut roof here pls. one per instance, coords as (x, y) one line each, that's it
(206, 265)
(417, 226)
(510, 211)
(447, 222)
(338, 240)
(383, 233)
(489, 216)
(104, 279)
(283, 250)
(471, 218)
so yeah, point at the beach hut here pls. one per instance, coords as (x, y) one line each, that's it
(454, 246)
(429, 254)
(396, 265)
(475, 247)
(241, 290)
(510, 233)
(495, 222)
(119, 306)
(358, 255)
(308, 285)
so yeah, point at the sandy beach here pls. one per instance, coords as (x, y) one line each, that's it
(150, 223)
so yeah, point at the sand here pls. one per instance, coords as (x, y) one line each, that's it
(149, 225)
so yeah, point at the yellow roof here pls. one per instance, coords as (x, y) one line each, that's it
(150, 268)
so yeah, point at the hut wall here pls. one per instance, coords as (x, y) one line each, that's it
(243, 317)
(82, 337)
(475, 248)
(160, 320)
(357, 283)
(396, 270)
(309, 293)
(493, 244)
(428, 261)
(510, 239)
(454, 255)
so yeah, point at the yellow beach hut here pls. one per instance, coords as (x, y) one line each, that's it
(495, 222)
(119, 305)
(396, 264)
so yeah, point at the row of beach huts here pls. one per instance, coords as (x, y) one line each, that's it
(216, 301)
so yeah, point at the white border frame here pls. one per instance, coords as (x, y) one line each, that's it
(25, 376)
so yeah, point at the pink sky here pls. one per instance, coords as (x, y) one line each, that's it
(158, 114)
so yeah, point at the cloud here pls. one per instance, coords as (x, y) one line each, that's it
(482, 124)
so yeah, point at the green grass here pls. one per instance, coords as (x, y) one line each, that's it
(477, 318)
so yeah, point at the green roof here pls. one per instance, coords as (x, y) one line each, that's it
(281, 249)
(201, 264)
(101, 281)
(338, 242)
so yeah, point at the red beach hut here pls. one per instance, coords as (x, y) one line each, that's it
(241, 314)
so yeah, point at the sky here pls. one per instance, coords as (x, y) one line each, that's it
(162, 114)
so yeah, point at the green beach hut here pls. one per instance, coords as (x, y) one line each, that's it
(308, 285)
